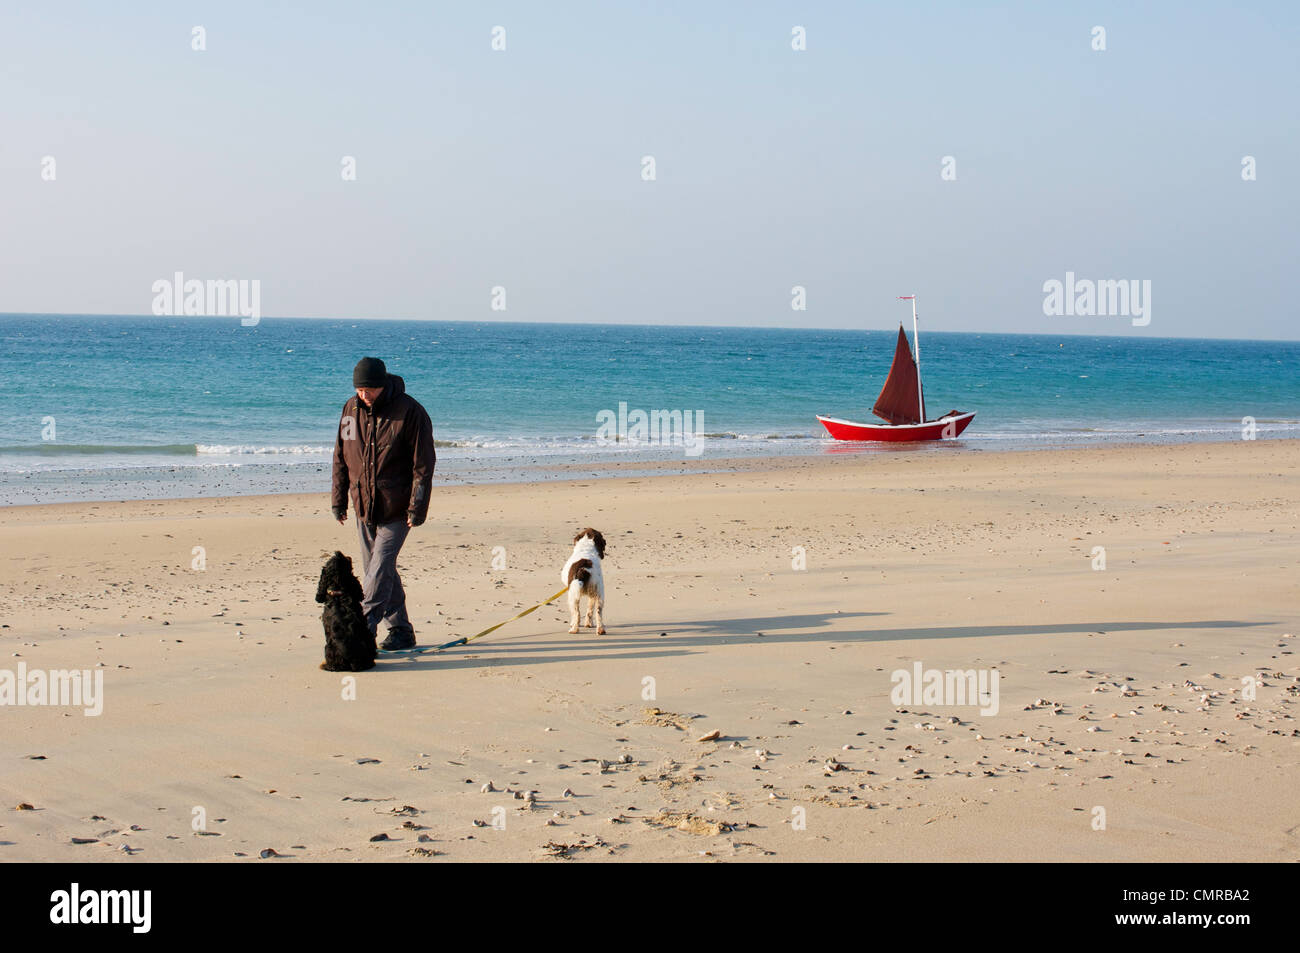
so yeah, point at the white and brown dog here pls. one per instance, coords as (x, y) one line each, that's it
(583, 577)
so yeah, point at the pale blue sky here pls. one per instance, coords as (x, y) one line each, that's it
(775, 168)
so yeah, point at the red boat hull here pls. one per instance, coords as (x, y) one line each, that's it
(944, 428)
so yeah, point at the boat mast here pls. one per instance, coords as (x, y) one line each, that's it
(916, 353)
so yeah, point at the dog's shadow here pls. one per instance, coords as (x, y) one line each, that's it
(505, 650)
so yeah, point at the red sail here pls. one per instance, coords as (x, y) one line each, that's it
(900, 400)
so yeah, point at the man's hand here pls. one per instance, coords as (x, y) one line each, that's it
(341, 516)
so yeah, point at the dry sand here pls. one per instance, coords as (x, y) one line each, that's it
(1121, 689)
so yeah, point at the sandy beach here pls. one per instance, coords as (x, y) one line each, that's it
(1124, 729)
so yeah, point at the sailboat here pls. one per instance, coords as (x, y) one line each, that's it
(901, 403)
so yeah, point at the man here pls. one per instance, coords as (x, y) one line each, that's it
(383, 459)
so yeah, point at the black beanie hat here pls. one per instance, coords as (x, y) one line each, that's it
(369, 372)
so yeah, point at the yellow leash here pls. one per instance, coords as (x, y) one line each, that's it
(493, 628)
(511, 619)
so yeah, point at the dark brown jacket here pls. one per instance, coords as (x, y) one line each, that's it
(384, 458)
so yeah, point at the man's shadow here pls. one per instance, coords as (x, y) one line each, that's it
(691, 637)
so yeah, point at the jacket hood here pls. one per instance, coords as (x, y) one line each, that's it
(395, 387)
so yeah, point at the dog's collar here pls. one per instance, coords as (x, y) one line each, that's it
(335, 592)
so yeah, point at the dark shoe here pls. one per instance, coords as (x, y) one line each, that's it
(397, 641)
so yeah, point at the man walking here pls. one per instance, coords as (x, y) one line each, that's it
(383, 459)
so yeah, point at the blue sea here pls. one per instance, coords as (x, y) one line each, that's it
(119, 407)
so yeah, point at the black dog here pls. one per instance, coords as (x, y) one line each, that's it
(349, 643)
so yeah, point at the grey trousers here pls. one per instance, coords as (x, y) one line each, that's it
(381, 587)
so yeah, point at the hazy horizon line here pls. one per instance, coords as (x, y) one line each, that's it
(607, 324)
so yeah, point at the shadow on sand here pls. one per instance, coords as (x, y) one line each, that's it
(667, 639)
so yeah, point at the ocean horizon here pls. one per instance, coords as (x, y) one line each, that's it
(131, 407)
